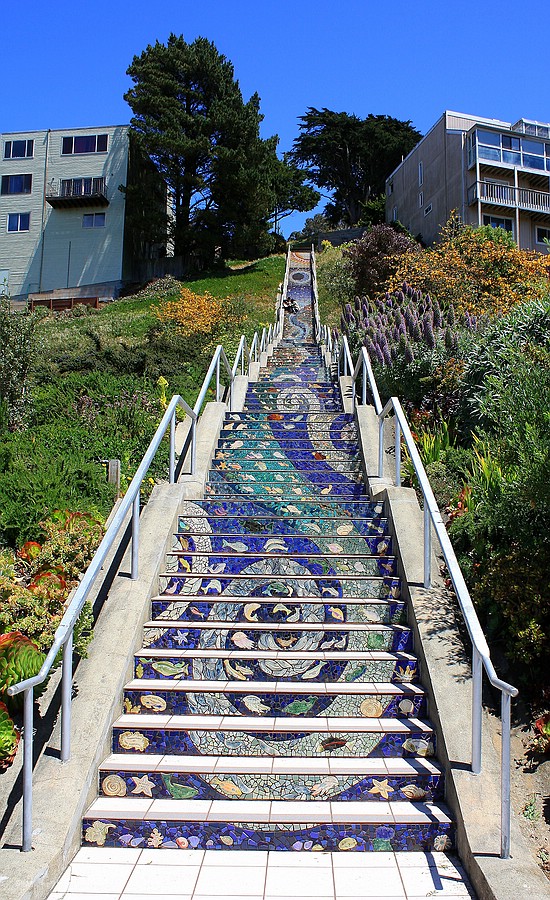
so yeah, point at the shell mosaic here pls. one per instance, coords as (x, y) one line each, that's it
(278, 631)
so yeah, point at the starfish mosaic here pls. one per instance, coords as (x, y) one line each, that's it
(382, 788)
(143, 785)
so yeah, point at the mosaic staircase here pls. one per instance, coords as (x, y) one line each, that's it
(276, 703)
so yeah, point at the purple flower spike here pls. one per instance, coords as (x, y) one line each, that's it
(409, 354)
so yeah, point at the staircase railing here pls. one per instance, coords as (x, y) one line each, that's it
(63, 638)
(481, 657)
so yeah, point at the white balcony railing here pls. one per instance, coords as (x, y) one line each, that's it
(510, 196)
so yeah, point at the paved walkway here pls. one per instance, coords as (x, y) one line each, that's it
(126, 874)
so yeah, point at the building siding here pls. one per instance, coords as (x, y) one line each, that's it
(57, 251)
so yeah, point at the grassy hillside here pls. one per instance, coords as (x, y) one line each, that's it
(94, 393)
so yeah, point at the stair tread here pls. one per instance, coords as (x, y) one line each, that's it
(329, 655)
(336, 765)
(280, 724)
(278, 686)
(236, 598)
(273, 811)
(229, 625)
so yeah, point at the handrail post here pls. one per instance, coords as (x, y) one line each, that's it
(231, 393)
(172, 469)
(218, 379)
(364, 385)
(505, 810)
(193, 446)
(397, 452)
(135, 537)
(27, 768)
(477, 675)
(381, 447)
(427, 546)
(66, 698)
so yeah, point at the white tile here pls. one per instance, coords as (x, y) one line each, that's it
(357, 811)
(431, 881)
(294, 881)
(240, 811)
(308, 811)
(358, 882)
(89, 878)
(238, 858)
(153, 879)
(102, 855)
(434, 858)
(221, 897)
(171, 857)
(180, 810)
(229, 880)
(382, 860)
(310, 860)
(127, 807)
(131, 762)
(153, 895)
(57, 895)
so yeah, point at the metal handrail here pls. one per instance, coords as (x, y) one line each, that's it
(63, 638)
(481, 657)
(215, 366)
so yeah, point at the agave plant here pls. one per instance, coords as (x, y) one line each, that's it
(19, 659)
(9, 738)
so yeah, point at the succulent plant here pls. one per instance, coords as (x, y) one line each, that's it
(9, 738)
(19, 659)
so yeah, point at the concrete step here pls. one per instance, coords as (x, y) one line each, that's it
(269, 825)
(262, 583)
(233, 562)
(344, 509)
(284, 544)
(319, 666)
(312, 609)
(373, 530)
(319, 736)
(272, 698)
(270, 778)
(283, 636)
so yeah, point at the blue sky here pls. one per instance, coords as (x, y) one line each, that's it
(64, 64)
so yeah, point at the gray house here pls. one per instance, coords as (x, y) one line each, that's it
(491, 172)
(64, 210)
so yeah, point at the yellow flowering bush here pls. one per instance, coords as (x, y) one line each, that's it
(479, 270)
(192, 313)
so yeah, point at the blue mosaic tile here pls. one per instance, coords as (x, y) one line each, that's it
(163, 834)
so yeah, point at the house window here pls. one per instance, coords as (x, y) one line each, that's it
(93, 220)
(19, 221)
(84, 143)
(428, 209)
(18, 149)
(421, 199)
(16, 184)
(543, 235)
(420, 174)
(390, 188)
(499, 222)
(394, 214)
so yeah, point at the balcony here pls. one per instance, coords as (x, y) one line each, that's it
(70, 193)
(509, 196)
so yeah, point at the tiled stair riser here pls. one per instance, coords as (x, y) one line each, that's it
(358, 667)
(199, 610)
(277, 672)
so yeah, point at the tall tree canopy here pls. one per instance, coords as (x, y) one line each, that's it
(351, 157)
(191, 119)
